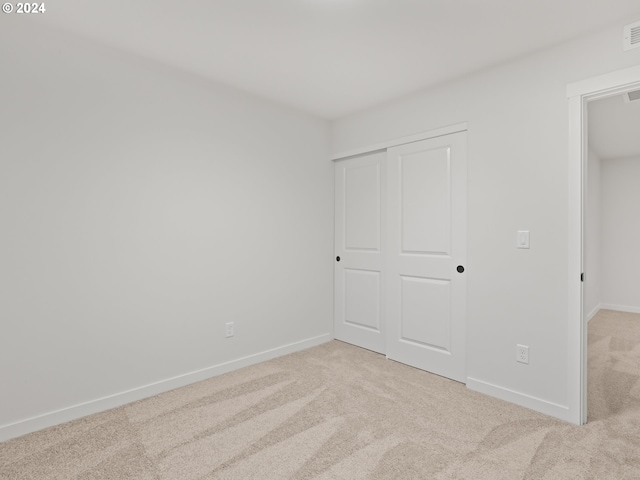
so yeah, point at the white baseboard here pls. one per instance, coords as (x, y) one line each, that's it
(539, 405)
(74, 412)
(594, 312)
(620, 308)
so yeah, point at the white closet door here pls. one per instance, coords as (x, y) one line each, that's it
(426, 293)
(359, 227)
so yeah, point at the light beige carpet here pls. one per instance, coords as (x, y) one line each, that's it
(340, 412)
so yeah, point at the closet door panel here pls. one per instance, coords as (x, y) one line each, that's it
(425, 291)
(359, 239)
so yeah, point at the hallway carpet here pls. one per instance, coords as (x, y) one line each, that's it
(341, 412)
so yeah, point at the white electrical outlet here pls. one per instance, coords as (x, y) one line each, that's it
(229, 326)
(522, 354)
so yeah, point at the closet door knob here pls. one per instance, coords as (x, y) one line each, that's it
(460, 269)
(337, 259)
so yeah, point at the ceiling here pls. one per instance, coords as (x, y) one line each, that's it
(614, 128)
(334, 57)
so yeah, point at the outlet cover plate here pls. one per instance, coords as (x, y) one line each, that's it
(522, 354)
(229, 329)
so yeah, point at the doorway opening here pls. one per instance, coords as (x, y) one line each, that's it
(611, 256)
(580, 95)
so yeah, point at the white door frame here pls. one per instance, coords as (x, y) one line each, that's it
(579, 94)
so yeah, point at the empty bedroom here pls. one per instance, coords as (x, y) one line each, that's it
(332, 239)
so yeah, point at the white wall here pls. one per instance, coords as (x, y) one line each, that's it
(621, 234)
(517, 179)
(141, 209)
(592, 237)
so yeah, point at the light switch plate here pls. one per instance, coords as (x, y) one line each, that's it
(523, 239)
